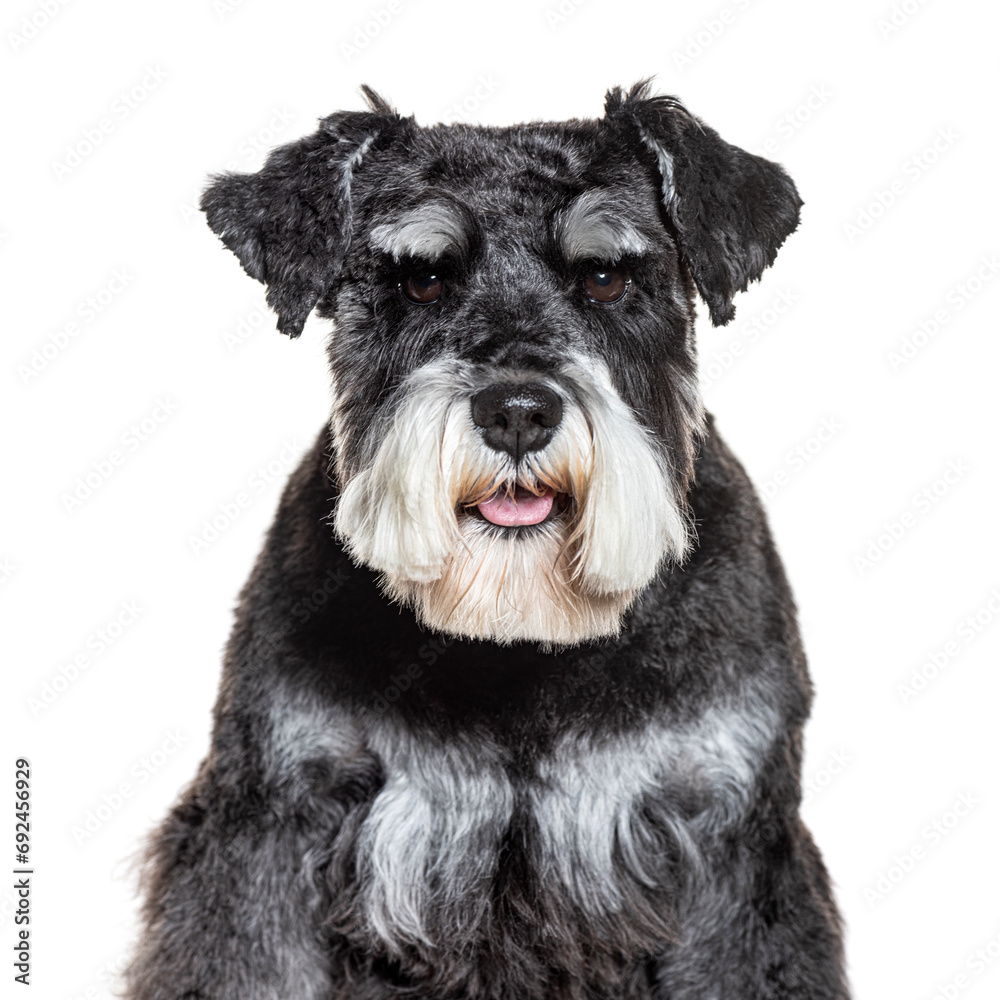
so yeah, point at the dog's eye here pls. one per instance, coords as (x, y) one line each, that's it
(606, 286)
(422, 288)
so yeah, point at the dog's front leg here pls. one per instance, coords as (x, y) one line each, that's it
(236, 877)
(763, 927)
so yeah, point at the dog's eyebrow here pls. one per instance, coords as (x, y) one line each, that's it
(594, 228)
(432, 231)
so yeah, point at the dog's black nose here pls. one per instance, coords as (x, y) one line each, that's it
(517, 418)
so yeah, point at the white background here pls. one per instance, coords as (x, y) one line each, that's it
(213, 85)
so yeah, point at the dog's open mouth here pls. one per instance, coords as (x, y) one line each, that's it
(518, 506)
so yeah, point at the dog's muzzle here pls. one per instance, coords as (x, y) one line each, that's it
(517, 419)
(514, 508)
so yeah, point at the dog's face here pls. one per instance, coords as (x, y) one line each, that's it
(515, 400)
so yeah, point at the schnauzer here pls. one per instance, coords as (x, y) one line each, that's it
(513, 704)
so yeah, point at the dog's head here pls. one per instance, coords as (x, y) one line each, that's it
(515, 399)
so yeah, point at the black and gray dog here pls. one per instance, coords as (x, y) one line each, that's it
(513, 705)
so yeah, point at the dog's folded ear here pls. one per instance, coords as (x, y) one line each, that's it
(289, 223)
(731, 209)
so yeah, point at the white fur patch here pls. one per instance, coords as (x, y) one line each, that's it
(666, 164)
(561, 582)
(429, 848)
(631, 518)
(588, 801)
(397, 515)
(429, 231)
(511, 588)
(352, 163)
(723, 752)
(303, 730)
(592, 228)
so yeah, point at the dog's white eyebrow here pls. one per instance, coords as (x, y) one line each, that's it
(593, 228)
(430, 232)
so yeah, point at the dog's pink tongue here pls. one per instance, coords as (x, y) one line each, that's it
(521, 508)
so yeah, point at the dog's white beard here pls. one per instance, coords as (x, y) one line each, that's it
(560, 582)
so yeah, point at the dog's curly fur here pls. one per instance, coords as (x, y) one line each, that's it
(471, 797)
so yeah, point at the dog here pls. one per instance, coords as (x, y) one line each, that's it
(514, 699)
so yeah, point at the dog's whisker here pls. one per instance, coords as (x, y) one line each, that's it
(503, 576)
(479, 566)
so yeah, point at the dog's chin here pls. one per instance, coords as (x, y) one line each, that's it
(512, 577)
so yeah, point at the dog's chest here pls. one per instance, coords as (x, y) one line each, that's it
(596, 837)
